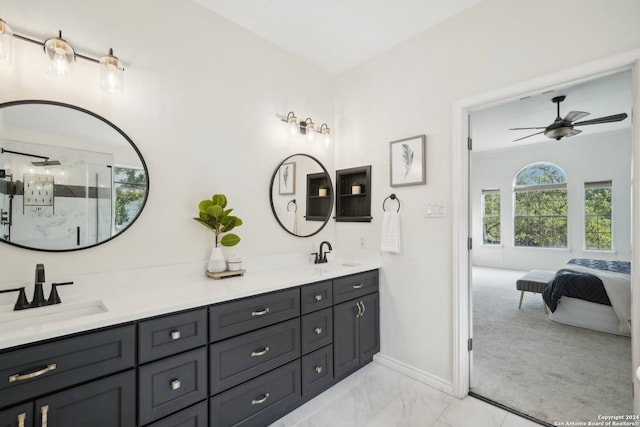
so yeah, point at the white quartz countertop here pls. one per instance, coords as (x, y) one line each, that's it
(109, 299)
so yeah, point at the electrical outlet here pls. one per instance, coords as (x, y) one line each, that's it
(363, 243)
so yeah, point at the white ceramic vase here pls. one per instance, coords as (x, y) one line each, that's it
(216, 262)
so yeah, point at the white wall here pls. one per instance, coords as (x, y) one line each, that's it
(599, 157)
(201, 102)
(410, 90)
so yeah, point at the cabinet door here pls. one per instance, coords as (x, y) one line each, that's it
(345, 338)
(104, 403)
(369, 324)
(18, 416)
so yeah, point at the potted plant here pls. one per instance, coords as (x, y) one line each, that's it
(214, 215)
(355, 187)
(322, 190)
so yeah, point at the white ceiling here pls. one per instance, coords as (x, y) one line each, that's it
(337, 34)
(600, 97)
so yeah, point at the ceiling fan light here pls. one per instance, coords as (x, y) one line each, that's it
(6, 39)
(61, 54)
(559, 132)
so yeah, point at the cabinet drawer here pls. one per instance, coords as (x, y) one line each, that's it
(194, 416)
(316, 296)
(241, 358)
(236, 317)
(260, 401)
(107, 402)
(168, 335)
(317, 371)
(354, 286)
(33, 371)
(317, 330)
(168, 385)
(12, 417)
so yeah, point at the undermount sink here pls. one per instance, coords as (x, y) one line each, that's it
(332, 266)
(49, 314)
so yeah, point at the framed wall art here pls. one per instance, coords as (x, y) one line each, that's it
(287, 178)
(408, 161)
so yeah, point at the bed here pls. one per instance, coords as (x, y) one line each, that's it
(593, 294)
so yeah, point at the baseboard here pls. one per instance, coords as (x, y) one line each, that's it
(417, 374)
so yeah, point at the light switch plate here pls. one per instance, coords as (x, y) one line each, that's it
(435, 210)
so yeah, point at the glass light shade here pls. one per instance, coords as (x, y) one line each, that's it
(293, 124)
(326, 133)
(61, 54)
(311, 129)
(6, 40)
(558, 133)
(111, 73)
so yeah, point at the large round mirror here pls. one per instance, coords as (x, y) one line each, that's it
(69, 179)
(301, 195)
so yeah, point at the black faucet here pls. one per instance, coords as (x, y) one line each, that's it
(321, 257)
(38, 294)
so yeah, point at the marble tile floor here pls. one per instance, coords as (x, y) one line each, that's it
(377, 396)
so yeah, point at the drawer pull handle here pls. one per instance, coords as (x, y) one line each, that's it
(45, 413)
(175, 335)
(260, 313)
(318, 297)
(318, 369)
(22, 377)
(260, 400)
(358, 286)
(318, 331)
(175, 384)
(260, 352)
(21, 419)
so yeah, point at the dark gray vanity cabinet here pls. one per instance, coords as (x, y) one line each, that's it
(18, 416)
(356, 322)
(71, 381)
(172, 374)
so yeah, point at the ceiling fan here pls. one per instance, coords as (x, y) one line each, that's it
(565, 127)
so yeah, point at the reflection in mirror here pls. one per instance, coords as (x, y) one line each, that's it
(69, 179)
(301, 195)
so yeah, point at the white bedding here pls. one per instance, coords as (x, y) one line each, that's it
(585, 314)
(618, 288)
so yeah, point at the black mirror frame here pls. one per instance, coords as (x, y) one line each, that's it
(273, 178)
(117, 129)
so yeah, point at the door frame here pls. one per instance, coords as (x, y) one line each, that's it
(461, 233)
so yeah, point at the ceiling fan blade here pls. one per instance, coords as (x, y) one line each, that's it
(575, 115)
(573, 132)
(606, 119)
(527, 128)
(537, 133)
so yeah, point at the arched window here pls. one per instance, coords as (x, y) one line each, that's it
(540, 206)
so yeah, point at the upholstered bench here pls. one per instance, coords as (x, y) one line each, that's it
(534, 281)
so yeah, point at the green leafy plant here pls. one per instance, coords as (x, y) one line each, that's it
(355, 184)
(215, 217)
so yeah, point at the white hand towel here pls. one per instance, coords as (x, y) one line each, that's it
(391, 232)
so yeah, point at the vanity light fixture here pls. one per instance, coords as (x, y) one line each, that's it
(6, 37)
(292, 120)
(325, 132)
(306, 127)
(63, 56)
(111, 73)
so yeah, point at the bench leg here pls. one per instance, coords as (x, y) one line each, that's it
(544, 304)
(521, 295)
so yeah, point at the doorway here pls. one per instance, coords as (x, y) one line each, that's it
(462, 197)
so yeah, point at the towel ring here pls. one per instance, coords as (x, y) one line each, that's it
(392, 197)
(295, 205)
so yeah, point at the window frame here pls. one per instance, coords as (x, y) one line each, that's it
(484, 193)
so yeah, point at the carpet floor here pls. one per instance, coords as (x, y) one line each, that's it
(551, 371)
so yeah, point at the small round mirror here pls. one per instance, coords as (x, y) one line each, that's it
(301, 195)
